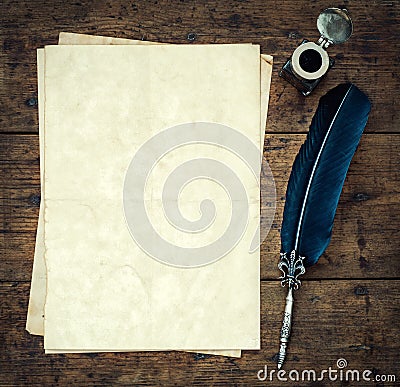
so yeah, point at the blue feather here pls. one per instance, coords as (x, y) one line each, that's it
(320, 169)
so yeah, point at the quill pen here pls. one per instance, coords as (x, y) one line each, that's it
(314, 188)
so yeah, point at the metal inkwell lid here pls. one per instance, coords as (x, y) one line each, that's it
(335, 26)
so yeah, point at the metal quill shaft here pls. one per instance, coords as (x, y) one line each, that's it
(286, 328)
(292, 267)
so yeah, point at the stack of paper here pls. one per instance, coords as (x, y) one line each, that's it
(96, 285)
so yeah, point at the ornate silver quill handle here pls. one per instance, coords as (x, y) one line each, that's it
(292, 267)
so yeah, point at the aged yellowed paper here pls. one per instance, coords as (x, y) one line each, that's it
(35, 313)
(83, 198)
(37, 297)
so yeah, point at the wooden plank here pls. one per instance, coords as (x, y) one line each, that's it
(366, 224)
(354, 320)
(369, 59)
(367, 220)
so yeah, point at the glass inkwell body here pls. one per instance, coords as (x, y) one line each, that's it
(310, 61)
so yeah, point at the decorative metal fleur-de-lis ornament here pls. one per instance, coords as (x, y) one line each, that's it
(292, 267)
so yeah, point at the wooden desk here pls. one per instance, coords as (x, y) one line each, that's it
(348, 306)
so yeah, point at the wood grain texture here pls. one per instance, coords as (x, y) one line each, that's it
(323, 326)
(370, 58)
(359, 248)
(348, 306)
